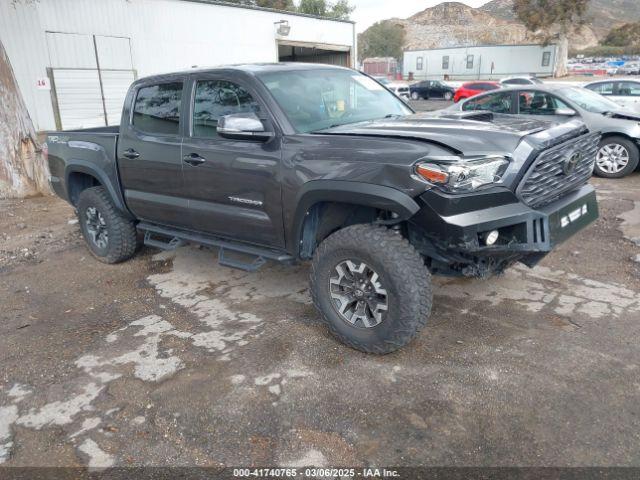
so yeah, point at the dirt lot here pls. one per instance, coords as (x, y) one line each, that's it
(170, 359)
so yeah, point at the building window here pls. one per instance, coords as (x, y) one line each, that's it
(546, 59)
(445, 62)
(157, 108)
(419, 63)
(469, 61)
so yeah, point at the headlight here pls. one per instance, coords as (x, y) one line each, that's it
(462, 174)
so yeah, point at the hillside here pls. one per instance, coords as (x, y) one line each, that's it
(603, 14)
(455, 24)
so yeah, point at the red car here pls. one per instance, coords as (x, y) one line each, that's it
(470, 89)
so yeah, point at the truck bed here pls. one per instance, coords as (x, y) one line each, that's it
(89, 150)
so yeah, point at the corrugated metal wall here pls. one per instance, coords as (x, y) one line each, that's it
(165, 35)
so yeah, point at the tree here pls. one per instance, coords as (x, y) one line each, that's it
(23, 170)
(340, 10)
(627, 35)
(554, 20)
(382, 39)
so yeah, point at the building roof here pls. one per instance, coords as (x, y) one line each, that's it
(480, 46)
(265, 9)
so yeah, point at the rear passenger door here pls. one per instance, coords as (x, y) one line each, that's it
(149, 153)
(234, 188)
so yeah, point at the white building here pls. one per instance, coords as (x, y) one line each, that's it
(480, 62)
(75, 59)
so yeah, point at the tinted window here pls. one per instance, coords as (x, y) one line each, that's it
(485, 87)
(517, 81)
(629, 89)
(469, 61)
(445, 62)
(215, 99)
(546, 59)
(157, 108)
(497, 103)
(602, 88)
(539, 103)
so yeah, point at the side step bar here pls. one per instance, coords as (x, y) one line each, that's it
(169, 239)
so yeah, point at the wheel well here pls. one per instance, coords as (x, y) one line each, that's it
(619, 134)
(325, 218)
(77, 182)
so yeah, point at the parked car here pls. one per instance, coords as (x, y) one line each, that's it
(429, 89)
(511, 81)
(625, 93)
(470, 89)
(401, 89)
(618, 152)
(630, 68)
(296, 162)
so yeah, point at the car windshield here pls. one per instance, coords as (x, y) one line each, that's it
(318, 99)
(590, 101)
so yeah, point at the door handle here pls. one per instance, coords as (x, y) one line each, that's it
(194, 159)
(131, 154)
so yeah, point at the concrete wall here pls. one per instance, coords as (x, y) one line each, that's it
(164, 35)
(507, 60)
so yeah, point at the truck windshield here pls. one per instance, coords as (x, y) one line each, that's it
(318, 99)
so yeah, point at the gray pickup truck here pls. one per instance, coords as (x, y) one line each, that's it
(294, 162)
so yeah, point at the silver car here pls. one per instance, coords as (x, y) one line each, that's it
(619, 151)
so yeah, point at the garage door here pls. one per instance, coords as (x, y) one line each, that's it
(314, 53)
(79, 98)
(91, 75)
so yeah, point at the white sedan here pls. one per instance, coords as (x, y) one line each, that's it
(624, 92)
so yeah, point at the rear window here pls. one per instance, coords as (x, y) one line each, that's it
(157, 108)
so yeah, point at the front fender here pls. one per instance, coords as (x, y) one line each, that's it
(354, 193)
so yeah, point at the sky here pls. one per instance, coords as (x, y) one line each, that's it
(369, 12)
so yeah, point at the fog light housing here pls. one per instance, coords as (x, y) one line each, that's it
(490, 238)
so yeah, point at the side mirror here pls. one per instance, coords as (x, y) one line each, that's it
(243, 126)
(565, 112)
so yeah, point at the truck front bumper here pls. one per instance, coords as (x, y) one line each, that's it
(456, 235)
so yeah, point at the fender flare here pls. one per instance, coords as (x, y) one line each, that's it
(82, 166)
(356, 193)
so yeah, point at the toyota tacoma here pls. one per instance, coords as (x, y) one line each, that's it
(295, 162)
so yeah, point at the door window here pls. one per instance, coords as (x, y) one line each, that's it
(215, 99)
(539, 103)
(602, 88)
(157, 108)
(629, 89)
(497, 103)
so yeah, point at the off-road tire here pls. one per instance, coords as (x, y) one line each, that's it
(634, 157)
(402, 273)
(122, 237)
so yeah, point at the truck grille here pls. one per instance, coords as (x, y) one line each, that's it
(559, 170)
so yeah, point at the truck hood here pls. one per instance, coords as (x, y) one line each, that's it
(465, 133)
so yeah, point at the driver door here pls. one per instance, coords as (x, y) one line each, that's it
(541, 105)
(233, 185)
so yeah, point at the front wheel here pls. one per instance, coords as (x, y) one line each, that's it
(371, 288)
(617, 157)
(448, 96)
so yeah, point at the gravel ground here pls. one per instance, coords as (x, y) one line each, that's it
(170, 359)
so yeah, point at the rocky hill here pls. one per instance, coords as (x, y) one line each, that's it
(455, 24)
(602, 17)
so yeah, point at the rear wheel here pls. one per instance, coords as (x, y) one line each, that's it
(371, 288)
(448, 96)
(110, 236)
(617, 157)
(415, 96)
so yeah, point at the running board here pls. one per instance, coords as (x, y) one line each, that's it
(174, 238)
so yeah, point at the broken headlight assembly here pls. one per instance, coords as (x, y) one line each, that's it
(456, 174)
